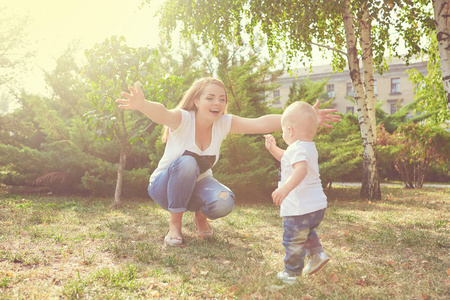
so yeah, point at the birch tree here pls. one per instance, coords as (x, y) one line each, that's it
(356, 31)
(441, 14)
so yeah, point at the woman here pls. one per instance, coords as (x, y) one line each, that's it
(195, 129)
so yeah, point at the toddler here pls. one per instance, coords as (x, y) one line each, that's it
(299, 194)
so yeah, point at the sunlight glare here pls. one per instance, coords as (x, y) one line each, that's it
(54, 24)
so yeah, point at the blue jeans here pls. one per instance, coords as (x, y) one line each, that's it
(300, 239)
(177, 190)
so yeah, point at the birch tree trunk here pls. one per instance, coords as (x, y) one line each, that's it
(370, 183)
(367, 62)
(441, 19)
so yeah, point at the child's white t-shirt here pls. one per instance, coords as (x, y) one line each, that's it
(308, 196)
(183, 138)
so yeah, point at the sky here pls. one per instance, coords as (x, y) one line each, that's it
(54, 24)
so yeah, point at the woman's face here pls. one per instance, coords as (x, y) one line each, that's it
(212, 102)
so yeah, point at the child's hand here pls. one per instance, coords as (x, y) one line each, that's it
(270, 141)
(134, 101)
(278, 195)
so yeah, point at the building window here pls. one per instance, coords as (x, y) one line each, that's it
(276, 93)
(330, 90)
(349, 89)
(394, 105)
(350, 109)
(395, 85)
(393, 108)
(276, 97)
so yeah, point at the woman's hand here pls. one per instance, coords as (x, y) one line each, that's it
(134, 101)
(326, 115)
(155, 111)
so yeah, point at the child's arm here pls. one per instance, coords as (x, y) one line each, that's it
(153, 110)
(297, 175)
(271, 145)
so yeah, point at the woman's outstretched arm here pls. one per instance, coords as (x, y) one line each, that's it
(270, 123)
(153, 110)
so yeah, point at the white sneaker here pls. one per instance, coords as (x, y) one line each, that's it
(283, 276)
(315, 263)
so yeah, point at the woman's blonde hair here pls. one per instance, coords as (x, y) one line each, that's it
(194, 92)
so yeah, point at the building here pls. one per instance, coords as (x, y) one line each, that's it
(393, 87)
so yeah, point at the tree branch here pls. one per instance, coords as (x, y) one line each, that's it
(330, 48)
(232, 90)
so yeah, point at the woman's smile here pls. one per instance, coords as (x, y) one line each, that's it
(212, 100)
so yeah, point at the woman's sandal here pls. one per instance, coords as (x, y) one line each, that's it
(205, 233)
(173, 241)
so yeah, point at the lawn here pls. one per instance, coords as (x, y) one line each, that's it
(78, 248)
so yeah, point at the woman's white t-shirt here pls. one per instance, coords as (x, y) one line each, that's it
(308, 196)
(183, 138)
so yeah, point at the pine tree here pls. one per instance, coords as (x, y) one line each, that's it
(245, 166)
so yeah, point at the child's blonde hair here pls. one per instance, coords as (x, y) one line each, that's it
(194, 92)
(302, 114)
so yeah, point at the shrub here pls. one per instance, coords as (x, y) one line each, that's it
(246, 167)
(340, 151)
(135, 183)
(101, 179)
(414, 149)
(21, 166)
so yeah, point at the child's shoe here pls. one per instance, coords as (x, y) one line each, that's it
(283, 276)
(315, 263)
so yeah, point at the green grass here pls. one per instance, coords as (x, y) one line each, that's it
(78, 248)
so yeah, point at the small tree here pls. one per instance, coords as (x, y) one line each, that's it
(308, 91)
(429, 88)
(68, 86)
(112, 68)
(246, 81)
(243, 163)
(415, 148)
(401, 116)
